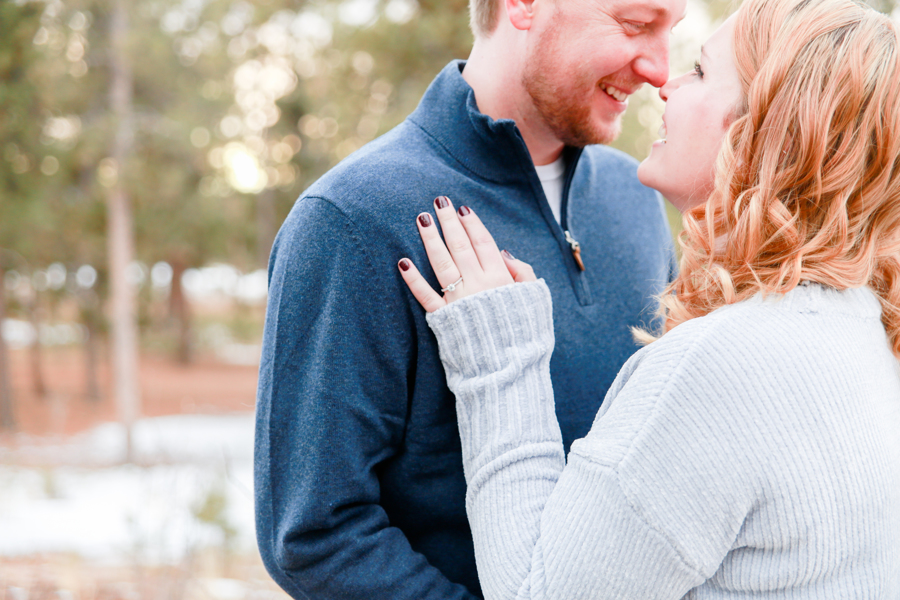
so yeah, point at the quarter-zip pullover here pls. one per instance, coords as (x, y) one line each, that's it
(360, 492)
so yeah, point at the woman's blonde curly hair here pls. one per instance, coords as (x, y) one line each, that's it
(808, 179)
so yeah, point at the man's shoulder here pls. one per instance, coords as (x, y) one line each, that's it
(378, 189)
(388, 168)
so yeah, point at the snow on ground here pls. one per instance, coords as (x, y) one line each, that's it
(192, 489)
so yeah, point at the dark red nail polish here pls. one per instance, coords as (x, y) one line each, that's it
(463, 210)
(404, 265)
(508, 254)
(425, 220)
(442, 202)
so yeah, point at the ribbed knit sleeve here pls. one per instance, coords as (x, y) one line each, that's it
(496, 349)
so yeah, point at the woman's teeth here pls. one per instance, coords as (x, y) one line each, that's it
(617, 94)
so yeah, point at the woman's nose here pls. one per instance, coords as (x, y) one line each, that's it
(670, 86)
(664, 91)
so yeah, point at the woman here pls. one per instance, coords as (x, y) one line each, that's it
(752, 450)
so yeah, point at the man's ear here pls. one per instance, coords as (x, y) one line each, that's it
(521, 13)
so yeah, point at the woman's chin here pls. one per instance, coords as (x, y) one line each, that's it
(682, 194)
(648, 174)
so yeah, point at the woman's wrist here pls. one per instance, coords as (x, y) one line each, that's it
(486, 332)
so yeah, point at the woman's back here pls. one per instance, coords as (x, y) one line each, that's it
(762, 442)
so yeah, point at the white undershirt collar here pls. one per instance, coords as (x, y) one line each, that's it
(552, 178)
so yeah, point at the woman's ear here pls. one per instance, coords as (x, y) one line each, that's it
(520, 13)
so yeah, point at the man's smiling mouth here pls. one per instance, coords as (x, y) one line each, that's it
(616, 93)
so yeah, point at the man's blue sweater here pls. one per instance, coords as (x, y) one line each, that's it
(359, 484)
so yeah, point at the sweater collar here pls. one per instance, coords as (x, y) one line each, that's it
(492, 149)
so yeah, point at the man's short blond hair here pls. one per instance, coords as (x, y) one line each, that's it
(483, 16)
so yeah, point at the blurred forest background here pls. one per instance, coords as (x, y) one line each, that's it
(150, 150)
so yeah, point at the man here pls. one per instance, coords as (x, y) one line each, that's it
(359, 486)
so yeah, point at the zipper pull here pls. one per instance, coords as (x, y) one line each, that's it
(576, 250)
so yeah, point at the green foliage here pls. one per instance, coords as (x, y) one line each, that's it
(19, 130)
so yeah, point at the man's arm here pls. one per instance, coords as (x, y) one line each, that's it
(332, 404)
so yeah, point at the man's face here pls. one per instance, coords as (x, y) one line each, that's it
(589, 56)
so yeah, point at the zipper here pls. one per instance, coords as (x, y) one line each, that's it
(576, 249)
(571, 162)
(579, 284)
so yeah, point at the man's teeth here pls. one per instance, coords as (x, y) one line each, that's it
(662, 132)
(617, 94)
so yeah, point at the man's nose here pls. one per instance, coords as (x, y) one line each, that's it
(653, 64)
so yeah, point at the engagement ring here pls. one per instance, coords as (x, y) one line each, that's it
(452, 286)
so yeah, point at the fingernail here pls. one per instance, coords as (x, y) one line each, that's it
(442, 201)
(508, 254)
(463, 210)
(404, 265)
(425, 220)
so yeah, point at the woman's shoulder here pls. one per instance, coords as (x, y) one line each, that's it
(753, 349)
(725, 380)
(805, 315)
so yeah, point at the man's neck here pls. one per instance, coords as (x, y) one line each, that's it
(496, 80)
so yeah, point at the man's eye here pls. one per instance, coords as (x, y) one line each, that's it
(698, 70)
(635, 26)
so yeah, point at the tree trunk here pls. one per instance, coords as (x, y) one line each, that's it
(180, 309)
(120, 233)
(89, 317)
(7, 415)
(36, 351)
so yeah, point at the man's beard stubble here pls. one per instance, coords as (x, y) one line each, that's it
(563, 106)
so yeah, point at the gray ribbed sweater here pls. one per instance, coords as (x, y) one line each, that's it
(750, 453)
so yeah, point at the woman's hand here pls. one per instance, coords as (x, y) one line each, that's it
(469, 262)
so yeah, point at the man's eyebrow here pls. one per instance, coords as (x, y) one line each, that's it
(661, 10)
(648, 5)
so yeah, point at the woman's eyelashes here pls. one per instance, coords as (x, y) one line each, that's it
(698, 69)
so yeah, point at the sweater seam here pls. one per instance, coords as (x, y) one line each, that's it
(296, 581)
(352, 230)
(640, 515)
(632, 504)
